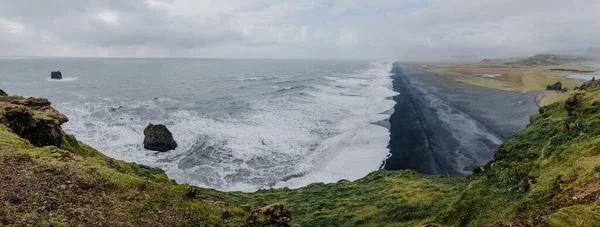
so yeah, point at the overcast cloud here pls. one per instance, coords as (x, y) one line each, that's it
(398, 29)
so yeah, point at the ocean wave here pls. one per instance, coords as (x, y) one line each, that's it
(242, 78)
(331, 131)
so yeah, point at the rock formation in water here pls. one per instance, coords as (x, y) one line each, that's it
(158, 138)
(56, 75)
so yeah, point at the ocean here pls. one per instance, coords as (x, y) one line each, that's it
(241, 125)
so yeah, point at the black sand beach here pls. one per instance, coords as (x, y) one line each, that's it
(441, 126)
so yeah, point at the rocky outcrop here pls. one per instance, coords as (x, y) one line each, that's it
(2, 93)
(33, 119)
(275, 215)
(56, 75)
(158, 138)
(587, 84)
(556, 87)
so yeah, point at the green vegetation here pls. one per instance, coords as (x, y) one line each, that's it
(383, 198)
(548, 174)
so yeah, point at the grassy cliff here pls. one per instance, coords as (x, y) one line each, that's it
(547, 174)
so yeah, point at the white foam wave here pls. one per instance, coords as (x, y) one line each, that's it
(283, 140)
(252, 78)
(362, 146)
(64, 79)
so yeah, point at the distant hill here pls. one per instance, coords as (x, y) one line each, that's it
(549, 59)
(499, 61)
(464, 57)
(593, 51)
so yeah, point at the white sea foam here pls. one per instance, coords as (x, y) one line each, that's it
(290, 138)
(363, 147)
(64, 79)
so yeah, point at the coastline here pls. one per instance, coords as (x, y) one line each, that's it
(70, 178)
(445, 127)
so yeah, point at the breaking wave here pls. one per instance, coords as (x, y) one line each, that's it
(299, 132)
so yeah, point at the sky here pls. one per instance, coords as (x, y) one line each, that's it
(362, 29)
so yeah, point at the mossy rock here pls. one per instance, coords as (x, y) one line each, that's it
(158, 138)
(39, 131)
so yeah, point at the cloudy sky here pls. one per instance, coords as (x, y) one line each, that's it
(382, 29)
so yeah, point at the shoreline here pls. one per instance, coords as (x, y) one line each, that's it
(446, 127)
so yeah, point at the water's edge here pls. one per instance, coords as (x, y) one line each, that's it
(431, 136)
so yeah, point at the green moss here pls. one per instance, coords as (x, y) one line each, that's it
(383, 198)
(579, 215)
(71, 144)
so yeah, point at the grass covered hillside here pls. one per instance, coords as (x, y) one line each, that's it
(547, 174)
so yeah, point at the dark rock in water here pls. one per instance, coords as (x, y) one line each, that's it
(2, 93)
(56, 75)
(555, 87)
(113, 109)
(158, 138)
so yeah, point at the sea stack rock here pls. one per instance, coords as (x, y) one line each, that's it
(158, 138)
(56, 75)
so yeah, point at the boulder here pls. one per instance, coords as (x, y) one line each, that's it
(275, 215)
(39, 130)
(56, 75)
(2, 93)
(555, 87)
(158, 138)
